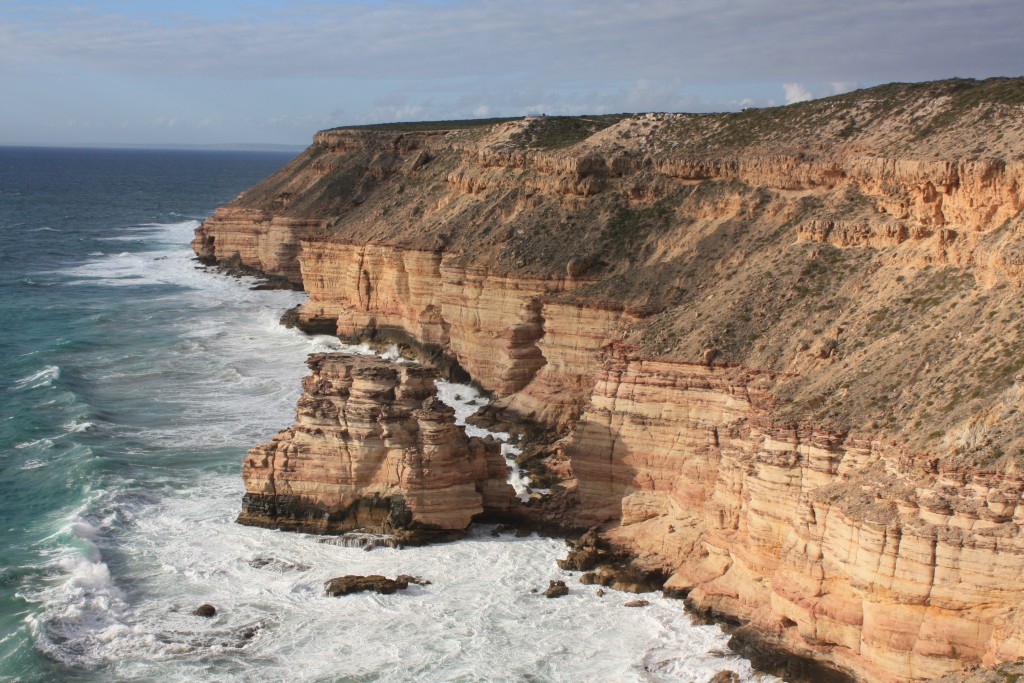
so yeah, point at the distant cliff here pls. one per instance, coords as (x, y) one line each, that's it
(776, 354)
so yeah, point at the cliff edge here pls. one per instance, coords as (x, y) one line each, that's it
(775, 355)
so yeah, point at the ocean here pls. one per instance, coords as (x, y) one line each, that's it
(133, 381)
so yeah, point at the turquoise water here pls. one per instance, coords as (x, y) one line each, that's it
(91, 362)
(133, 382)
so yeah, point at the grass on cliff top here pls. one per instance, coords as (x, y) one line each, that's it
(544, 132)
(761, 125)
(555, 132)
(426, 126)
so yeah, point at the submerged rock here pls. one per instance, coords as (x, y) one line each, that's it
(276, 564)
(725, 676)
(418, 580)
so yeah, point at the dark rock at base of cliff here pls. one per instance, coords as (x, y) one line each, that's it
(556, 589)
(625, 578)
(233, 266)
(585, 553)
(675, 593)
(364, 540)
(205, 611)
(294, 513)
(292, 319)
(608, 566)
(276, 282)
(352, 583)
(765, 655)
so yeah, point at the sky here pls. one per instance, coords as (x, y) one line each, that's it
(276, 71)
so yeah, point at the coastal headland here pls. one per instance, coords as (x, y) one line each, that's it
(773, 357)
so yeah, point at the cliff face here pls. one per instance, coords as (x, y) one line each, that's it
(842, 548)
(538, 355)
(773, 354)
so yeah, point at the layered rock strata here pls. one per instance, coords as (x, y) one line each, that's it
(775, 355)
(372, 449)
(265, 243)
(847, 550)
(502, 330)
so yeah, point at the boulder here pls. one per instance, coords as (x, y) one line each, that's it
(206, 610)
(556, 589)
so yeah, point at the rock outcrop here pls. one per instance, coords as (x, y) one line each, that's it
(372, 449)
(773, 358)
(354, 583)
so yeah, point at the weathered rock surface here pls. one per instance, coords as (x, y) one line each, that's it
(775, 356)
(353, 583)
(371, 449)
(604, 565)
(840, 546)
(556, 589)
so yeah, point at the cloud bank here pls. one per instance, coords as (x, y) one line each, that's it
(400, 59)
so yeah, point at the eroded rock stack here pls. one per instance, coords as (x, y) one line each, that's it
(371, 449)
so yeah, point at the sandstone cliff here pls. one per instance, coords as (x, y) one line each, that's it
(774, 354)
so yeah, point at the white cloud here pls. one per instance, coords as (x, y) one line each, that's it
(796, 93)
(303, 61)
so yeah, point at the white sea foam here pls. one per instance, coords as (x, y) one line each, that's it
(44, 442)
(85, 608)
(483, 617)
(466, 400)
(31, 464)
(41, 378)
(230, 380)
